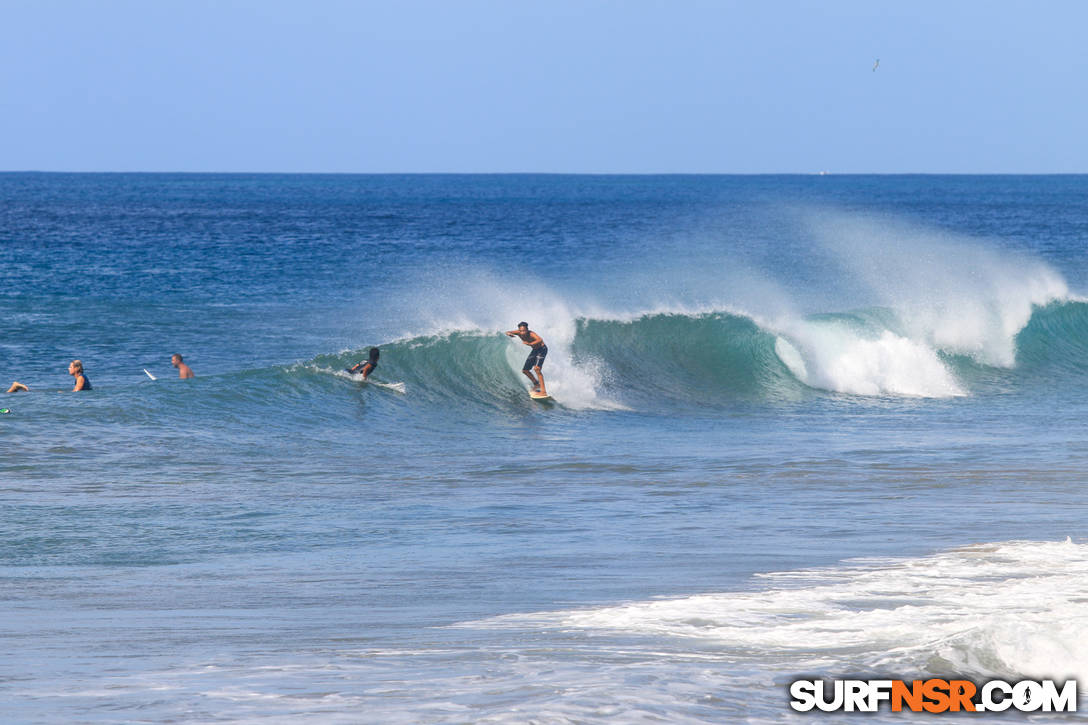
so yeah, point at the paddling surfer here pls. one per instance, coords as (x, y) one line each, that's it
(535, 361)
(368, 366)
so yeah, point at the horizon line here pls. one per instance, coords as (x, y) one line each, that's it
(559, 173)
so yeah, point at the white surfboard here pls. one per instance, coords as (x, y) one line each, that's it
(345, 373)
(150, 375)
(395, 387)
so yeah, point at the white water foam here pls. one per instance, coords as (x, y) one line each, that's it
(824, 355)
(1013, 610)
(1010, 610)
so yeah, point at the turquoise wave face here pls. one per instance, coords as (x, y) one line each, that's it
(718, 358)
(689, 359)
(1055, 341)
(686, 360)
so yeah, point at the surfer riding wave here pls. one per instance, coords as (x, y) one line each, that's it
(535, 361)
(366, 367)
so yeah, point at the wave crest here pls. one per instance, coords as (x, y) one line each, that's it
(714, 358)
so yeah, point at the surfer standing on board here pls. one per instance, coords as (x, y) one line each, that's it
(535, 361)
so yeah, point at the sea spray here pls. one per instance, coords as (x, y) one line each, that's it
(953, 293)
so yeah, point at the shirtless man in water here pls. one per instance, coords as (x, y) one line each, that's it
(536, 357)
(184, 371)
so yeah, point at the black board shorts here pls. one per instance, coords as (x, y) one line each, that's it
(536, 358)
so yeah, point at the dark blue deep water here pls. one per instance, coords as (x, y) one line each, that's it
(801, 425)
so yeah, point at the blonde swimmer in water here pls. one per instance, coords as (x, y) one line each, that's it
(75, 369)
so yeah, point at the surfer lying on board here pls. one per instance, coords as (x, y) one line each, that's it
(535, 361)
(368, 366)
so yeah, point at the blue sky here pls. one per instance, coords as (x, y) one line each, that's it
(556, 86)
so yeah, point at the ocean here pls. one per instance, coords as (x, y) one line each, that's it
(803, 426)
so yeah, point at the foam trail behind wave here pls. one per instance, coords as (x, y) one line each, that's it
(1013, 610)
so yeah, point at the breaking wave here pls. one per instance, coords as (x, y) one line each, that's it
(718, 357)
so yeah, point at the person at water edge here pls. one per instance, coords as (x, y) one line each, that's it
(368, 366)
(75, 369)
(18, 387)
(184, 371)
(535, 361)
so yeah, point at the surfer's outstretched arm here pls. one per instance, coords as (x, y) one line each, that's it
(527, 337)
(362, 368)
(18, 387)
